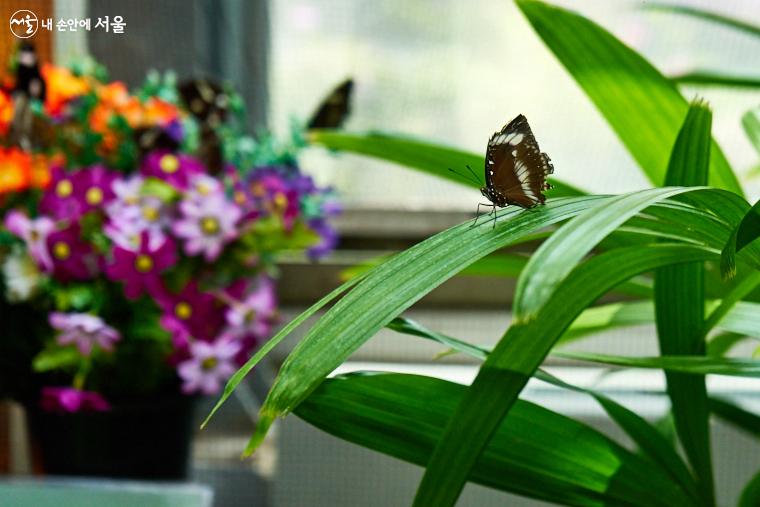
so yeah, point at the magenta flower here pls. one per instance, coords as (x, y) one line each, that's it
(208, 225)
(34, 232)
(70, 399)
(328, 239)
(140, 269)
(209, 365)
(269, 193)
(173, 168)
(84, 331)
(74, 193)
(253, 315)
(73, 259)
(190, 312)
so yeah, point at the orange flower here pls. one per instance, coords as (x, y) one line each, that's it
(113, 94)
(6, 112)
(62, 86)
(158, 112)
(40, 171)
(15, 170)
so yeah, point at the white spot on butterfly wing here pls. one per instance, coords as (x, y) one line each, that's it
(516, 139)
(514, 153)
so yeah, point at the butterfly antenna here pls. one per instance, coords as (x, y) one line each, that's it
(466, 177)
(475, 176)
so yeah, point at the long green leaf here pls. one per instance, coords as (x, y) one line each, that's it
(696, 365)
(390, 289)
(650, 441)
(708, 78)
(751, 493)
(736, 416)
(534, 452)
(744, 234)
(751, 124)
(517, 355)
(680, 307)
(422, 155)
(712, 17)
(642, 106)
(265, 349)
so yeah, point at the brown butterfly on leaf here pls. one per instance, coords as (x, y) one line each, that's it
(515, 168)
(209, 103)
(333, 111)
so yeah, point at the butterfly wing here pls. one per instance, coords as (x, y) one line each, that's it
(334, 110)
(516, 169)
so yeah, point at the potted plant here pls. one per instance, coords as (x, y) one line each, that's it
(684, 251)
(139, 237)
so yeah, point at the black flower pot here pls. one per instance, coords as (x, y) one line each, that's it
(140, 440)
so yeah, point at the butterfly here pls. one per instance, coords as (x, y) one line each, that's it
(209, 103)
(515, 168)
(334, 110)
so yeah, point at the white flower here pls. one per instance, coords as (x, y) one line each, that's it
(22, 276)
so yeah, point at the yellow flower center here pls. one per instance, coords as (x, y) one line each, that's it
(61, 250)
(150, 213)
(64, 188)
(280, 201)
(94, 196)
(210, 225)
(169, 164)
(239, 197)
(209, 363)
(203, 188)
(143, 263)
(183, 310)
(258, 189)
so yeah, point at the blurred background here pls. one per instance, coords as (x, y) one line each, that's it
(441, 70)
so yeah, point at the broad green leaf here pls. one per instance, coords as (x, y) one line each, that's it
(391, 288)
(422, 155)
(751, 124)
(56, 358)
(650, 441)
(744, 234)
(534, 452)
(519, 353)
(751, 493)
(679, 292)
(722, 343)
(641, 105)
(697, 365)
(712, 17)
(708, 78)
(739, 292)
(735, 415)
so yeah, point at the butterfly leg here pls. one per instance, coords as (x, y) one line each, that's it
(477, 212)
(493, 212)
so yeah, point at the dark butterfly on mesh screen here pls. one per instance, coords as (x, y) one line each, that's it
(29, 129)
(209, 103)
(334, 110)
(515, 168)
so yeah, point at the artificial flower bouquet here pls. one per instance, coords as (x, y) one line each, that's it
(140, 234)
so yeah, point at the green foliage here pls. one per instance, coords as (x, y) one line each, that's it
(589, 246)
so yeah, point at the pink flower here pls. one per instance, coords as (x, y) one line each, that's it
(173, 168)
(73, 259)
(140, 270)
(209, 365)
(190, 312)
(254, 314)
(83, 330)
(208, 225)
(69, 399)
(34, 232)
(73, 194)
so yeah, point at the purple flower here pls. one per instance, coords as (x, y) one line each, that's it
(70, 399)
(206, 226)
(173, 168)
(83, 330)
(72, 194)
(73, 259)
(34, 232)
(253, 315)
(328, 239)
(140, 269)
(204, 186)
(272, 194)
(209, 365)
(131, 213)
(190, 312)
